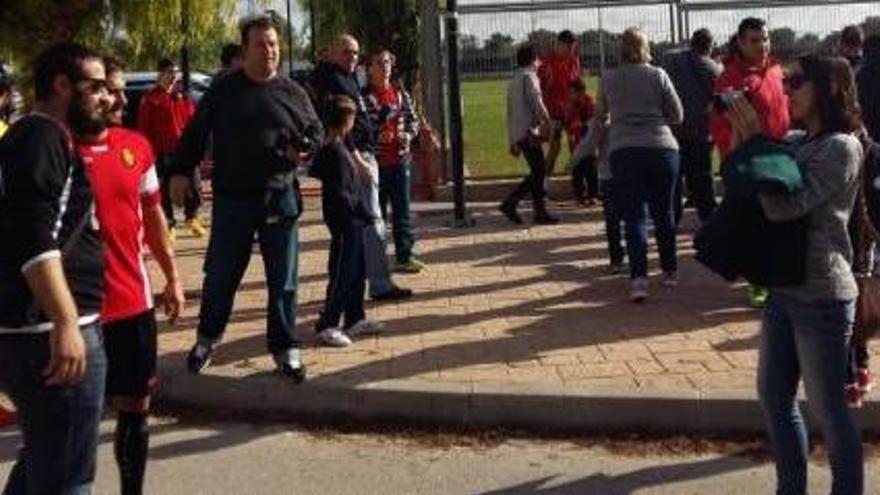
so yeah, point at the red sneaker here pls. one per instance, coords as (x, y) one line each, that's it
(865, 379)
(853, 396)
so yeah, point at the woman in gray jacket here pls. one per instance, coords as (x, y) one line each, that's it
(643, 105)
(806, 329)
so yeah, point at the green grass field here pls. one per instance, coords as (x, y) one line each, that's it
(485, 131)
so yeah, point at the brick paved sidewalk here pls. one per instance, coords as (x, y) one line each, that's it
(501, 308)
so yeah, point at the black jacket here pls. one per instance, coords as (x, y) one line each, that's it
(868, 82)
(47, 200)
(870, 188)
(251, 125)
(329, 80)
(739, 240)
(341, 200)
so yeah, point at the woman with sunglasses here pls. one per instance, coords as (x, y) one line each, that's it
(806, 329)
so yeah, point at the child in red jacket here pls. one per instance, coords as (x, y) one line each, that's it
(578, 114)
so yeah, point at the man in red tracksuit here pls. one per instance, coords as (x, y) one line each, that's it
(750, 69)
(163, 114)
(556, 73)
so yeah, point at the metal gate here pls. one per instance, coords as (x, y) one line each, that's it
(490, 31)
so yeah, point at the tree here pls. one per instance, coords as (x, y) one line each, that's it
(29, 26)
(871, 25)
(499, 43)
(378, 24)
(469, 43)
(542, 39)
(140, 31)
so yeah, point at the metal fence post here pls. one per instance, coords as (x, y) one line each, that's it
(456, 133)
(601, 41)
(313, 29)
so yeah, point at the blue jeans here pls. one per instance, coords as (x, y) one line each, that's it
(646, 175)
(809, 340)
(347, 280)
(394, 188)
(234, 224)
(376, 260)
(59, 423)
(611, 214)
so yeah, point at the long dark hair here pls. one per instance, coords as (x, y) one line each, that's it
(835, 96)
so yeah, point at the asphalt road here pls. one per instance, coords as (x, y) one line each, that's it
(235, 458)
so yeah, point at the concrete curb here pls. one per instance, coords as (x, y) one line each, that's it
(525, 407)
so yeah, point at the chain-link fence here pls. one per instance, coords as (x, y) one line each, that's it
(492, 30)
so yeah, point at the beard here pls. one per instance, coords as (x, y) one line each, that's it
(115, 115)
(82, 122)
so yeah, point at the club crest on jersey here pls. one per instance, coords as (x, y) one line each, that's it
(128, 158)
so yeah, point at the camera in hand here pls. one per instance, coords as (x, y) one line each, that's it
(300, 142)
(724, 101)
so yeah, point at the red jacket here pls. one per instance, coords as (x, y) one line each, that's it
(556, 72)
(162, 117)
(577, 118)
(766, 93)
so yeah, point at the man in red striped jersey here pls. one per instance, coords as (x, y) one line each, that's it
(120, 166)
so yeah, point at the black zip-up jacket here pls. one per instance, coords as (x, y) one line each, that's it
(739, 240)
(46, 196)
(340, 198)
(331, 80)
(251, 125)
(868, 81)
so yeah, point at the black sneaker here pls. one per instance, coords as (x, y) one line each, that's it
(395, 294)
(199, 358)
(291, 367)
(295, 373)
(545, 219)
(509, 211)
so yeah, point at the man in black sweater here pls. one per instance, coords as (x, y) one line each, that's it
(52, 363)
(263, 125)
(336, 77)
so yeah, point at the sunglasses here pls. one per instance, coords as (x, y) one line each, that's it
(795, 82)
(93, 85)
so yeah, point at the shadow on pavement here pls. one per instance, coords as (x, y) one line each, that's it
(629, 483)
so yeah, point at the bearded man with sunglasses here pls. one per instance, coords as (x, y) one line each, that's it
(52, 363)
(120, 166)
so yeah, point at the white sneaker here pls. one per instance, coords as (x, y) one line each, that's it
(638, 289)
(670, 280)
(334, 337)
(364, 327)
